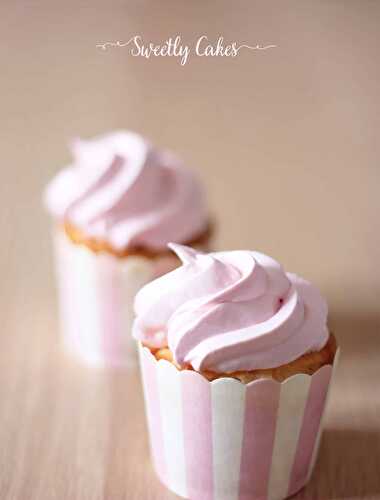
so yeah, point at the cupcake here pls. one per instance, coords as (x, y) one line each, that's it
(114, 209)
(236, 362)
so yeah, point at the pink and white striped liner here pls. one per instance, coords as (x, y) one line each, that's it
(96, 293)
(224, 440)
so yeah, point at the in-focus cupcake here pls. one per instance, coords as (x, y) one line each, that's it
(115, 209)
(236, 360)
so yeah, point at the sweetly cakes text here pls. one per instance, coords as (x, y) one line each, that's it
(174, 47)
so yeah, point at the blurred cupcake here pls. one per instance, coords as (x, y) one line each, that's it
(115, 208)
(236, 361)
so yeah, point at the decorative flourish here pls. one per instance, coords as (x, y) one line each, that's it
(118, 43)
(256, 47)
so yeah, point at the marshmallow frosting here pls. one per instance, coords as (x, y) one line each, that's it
(231, 311)
(123, 190)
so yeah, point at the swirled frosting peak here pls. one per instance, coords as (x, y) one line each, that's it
(231, 311)
(123, 190)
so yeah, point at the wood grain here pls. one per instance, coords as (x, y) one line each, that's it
(69, 432)
(287, 145)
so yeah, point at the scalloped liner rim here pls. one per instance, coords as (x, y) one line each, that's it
(145, 351)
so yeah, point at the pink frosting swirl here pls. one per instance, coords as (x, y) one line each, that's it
(231, 311)
(122, 190)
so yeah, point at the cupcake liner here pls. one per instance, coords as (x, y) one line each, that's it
(96, 293)
(224, 440)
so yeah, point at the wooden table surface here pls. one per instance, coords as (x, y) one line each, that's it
(286, 142)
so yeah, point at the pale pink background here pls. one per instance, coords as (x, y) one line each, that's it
(286, 142)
